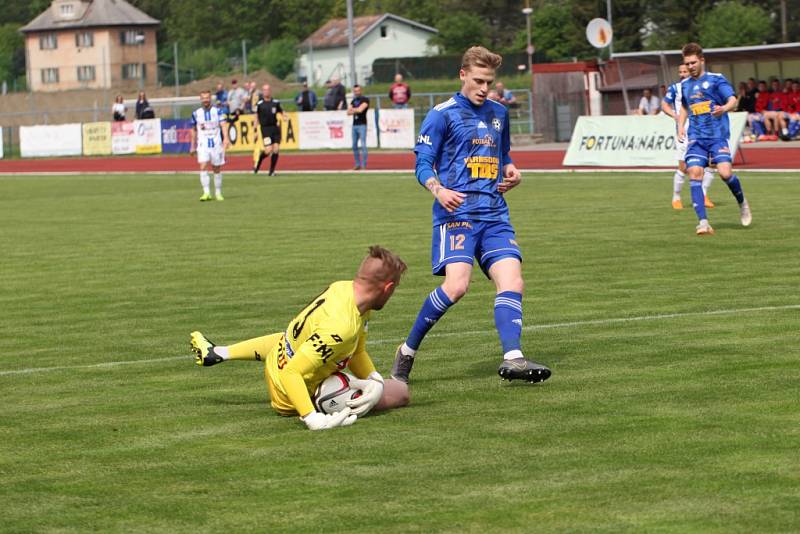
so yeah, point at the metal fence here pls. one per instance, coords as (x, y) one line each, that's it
(520, 114)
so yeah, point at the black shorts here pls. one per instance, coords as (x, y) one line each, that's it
(271, 135)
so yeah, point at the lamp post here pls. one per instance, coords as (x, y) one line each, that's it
(527, 10)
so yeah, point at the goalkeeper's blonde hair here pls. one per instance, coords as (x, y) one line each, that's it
(381, 265)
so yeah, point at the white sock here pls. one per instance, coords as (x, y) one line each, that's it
(205, 181)
(708, 177)
(408, 351)
(218, 183)
(513, 354)
(677, 184)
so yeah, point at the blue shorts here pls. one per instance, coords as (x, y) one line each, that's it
(702, 152)
(465, 241)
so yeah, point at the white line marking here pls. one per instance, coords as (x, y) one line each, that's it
(591, 322)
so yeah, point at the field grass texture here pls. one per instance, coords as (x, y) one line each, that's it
(673, 405)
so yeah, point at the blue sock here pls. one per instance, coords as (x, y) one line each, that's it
(432, 310)
(736, 188)
(508, 319)
(698, 199)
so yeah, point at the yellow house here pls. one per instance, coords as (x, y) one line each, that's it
(90, 44)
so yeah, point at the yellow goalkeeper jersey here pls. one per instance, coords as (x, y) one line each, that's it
(329, 335)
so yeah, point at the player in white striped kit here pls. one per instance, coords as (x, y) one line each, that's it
(210, 140)
(671, 105)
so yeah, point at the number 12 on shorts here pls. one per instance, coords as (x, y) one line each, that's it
(457, 241)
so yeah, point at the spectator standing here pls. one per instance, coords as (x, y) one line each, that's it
(306, 99)
(252, 97)
(221, 95)
(236, 100)
(335, 97)
(399, 92)
(358, 109)
(649, 104)
(506, 96)
(118, 109)
(143, 109)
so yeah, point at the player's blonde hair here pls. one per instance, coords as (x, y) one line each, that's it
(478, 56)
(381, 265)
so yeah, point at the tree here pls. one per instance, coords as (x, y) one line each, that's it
(731, 23)
(555, 33)
(277, 57)
(459, 31)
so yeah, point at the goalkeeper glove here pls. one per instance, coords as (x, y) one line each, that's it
(321, 421)
(371, 393)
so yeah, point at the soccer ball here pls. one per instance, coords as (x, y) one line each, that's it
(333, 392)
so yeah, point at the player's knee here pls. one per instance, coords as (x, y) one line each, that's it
(455, 289)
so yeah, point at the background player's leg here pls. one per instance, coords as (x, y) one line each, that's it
(205, 182)
(218, 182)
(708, 177)
(677, 185)
(273, 161)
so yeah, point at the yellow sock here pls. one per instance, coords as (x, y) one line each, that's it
(253, 349)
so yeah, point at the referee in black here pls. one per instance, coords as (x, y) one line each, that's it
(270, 114)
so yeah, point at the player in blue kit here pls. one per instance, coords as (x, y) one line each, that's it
(463, 160)
(706, 99)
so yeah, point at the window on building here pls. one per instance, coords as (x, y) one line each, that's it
(50, 75)
(134, 71)
(86, 73)
(84, 39)
(48, 41)
(384, 31)
(67, 10)
(131, 37)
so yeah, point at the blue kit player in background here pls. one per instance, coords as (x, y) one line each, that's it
(707, 98)
(463, 160)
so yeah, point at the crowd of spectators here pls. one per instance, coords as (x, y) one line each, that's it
(773, 110)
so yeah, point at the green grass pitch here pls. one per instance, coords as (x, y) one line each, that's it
(673, 405)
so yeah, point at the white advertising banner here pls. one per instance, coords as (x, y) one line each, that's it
(122, 138)
(396, 128)
(147, 136)
(632, 140)
(331, 129)
(57, 140)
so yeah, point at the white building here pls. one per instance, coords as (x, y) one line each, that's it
(324, 54)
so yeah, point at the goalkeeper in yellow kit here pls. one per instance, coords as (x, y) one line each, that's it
(329, 335)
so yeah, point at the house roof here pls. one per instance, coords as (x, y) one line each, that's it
(333, 33)
(773, 52)
(98, 13)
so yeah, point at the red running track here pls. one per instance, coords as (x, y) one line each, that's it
(754, 158)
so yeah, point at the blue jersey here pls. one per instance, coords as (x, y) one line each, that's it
(699, 96)
(673, 96)
(468, 146)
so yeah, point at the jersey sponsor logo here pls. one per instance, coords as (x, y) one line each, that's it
(424, 140)
(486, 140)
(496, 124)
(482, 124)
(701, 108)
(459, 224)
(483, 166)
(320, 346)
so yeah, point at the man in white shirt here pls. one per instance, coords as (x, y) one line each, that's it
(649, 104)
